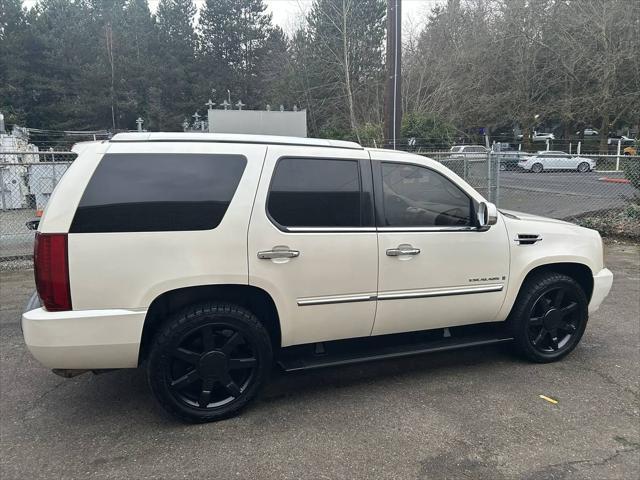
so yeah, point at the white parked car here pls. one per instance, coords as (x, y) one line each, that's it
(470, 152)
(589, 132)
(541, 137)
(204, 258)
(623, 139)
(555, 160)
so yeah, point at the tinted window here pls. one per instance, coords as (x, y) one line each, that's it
(315, 193)
(415, 196)
(158, 192)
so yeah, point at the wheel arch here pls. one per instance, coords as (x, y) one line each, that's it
(254, 299)
(580, 272)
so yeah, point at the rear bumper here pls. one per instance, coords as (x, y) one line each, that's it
(84, 339)
(602, 282)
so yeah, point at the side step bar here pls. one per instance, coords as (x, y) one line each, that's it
(345, 352)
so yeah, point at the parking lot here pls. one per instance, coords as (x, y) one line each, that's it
(468, 414)
(561, 194)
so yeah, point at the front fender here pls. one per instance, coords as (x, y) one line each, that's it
(562, 243)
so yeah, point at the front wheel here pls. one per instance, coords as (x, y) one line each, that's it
(549, 317)
(503, 167)
(583, 167)
(208, 362)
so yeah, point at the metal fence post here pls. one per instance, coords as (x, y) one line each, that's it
(465, 167)
(2, 189)
(497, 187)
(618, 155)
(489, 189)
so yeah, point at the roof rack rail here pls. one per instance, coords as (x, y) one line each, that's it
(231, 138)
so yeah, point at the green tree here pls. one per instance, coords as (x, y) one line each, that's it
(232, 39)
(344, 62)
(429, 130)
(13, 39)
(275, 70)
(176, 95)
(138, 64)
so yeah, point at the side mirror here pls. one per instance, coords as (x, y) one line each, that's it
(487, 214)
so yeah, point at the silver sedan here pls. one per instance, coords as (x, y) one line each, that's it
(555, 160)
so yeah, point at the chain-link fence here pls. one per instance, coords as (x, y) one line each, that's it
(550, 184)
(26, 182)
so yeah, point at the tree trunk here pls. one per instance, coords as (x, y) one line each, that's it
(347, 75)
(604, 133)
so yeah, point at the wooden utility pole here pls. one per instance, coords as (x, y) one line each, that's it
(393, 87)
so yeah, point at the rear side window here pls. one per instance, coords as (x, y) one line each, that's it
(315, 193)
(158, 192)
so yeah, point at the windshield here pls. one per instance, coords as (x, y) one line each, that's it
(456, 149)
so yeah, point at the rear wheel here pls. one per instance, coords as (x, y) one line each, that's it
(207, 363)
(583, 167)
(549, 317)
(503, 167)
(537, 168)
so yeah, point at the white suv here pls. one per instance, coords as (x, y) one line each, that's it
(205, 257)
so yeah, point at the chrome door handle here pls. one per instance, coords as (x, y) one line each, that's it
(402, 250)
(270, 254)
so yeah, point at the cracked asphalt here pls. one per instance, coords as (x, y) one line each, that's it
(468, 414)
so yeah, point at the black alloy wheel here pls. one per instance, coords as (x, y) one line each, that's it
(549, 317)
(211, 366)
(553, 320)
(209, 362)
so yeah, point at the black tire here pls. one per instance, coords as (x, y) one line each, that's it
(503, 167)
(545, 324)
(537, 168)
(583, 167)
(209, 362)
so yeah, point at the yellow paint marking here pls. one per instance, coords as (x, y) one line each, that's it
(548, 399)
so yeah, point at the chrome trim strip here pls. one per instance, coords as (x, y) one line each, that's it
(441, 292)
(427, 229)
(329, 229)
(404, 294)
(365, 297)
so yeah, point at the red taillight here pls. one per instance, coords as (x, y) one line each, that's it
(52, 271)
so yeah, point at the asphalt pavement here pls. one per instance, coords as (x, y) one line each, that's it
(468, 414)
(561, 194)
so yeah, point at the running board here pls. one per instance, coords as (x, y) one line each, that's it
(345, 352)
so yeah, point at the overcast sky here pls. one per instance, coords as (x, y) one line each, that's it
(287, 13)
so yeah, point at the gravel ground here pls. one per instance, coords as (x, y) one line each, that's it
(468, 414)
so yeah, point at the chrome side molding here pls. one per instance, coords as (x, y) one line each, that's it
(440, 292)
(399, 295)
(335, 299)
